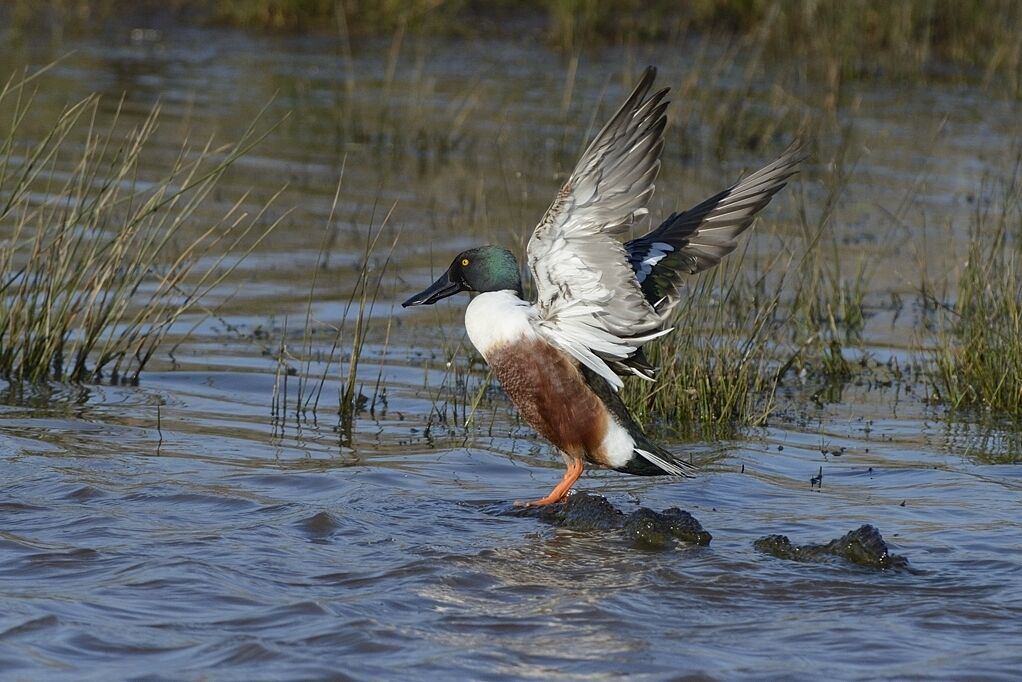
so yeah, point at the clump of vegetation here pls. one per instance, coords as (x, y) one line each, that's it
(737, 337)
(357, 15)
(718, 368)
(96, 264)
(978, 351)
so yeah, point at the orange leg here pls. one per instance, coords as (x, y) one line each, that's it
(561, 491)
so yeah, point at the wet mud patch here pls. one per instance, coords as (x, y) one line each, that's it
(863, 546)
(643, 528)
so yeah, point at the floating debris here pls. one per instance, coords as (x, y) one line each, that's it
(817, 480)
(863, 546)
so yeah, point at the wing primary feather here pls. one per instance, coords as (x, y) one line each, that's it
(600, 300)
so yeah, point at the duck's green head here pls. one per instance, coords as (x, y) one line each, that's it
(485, 268)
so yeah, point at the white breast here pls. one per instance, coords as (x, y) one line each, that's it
(495, 318)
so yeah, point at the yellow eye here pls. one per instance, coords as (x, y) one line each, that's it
(464, 262)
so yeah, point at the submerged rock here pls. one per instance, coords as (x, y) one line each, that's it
(643, 528)
(863, 546)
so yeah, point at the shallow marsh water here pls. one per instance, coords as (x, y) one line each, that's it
(179, 530)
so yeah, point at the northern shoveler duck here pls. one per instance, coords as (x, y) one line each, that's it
(561, 359)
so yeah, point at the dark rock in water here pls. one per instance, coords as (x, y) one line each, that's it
(581, 512)
(644, 528)
(652, 530)
(781, 547)
(866, 547)
(863, 546)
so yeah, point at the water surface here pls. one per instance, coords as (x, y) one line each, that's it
(183, 529)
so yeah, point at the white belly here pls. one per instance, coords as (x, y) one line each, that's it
(496, 318)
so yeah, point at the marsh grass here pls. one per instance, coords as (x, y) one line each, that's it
(348, 337)
(977, 354)
(837, 39)
(826, 310)
(718, 368)
(739, 335)
(362, 304)
(97, 265)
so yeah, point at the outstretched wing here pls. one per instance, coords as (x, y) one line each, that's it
(697, 239)
(589, 301)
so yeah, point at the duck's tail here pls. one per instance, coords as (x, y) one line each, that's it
(657, 461)
(648, 458)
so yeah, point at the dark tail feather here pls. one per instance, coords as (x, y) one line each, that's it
(656, 461)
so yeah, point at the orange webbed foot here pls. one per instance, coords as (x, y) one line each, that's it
(561, 491)
(541, 502)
